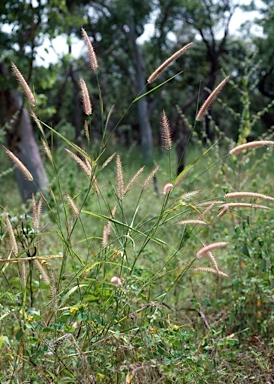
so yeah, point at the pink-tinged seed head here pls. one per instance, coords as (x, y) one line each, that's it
(116, 280)
(167, 188)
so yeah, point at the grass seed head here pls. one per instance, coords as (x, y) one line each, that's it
(166, 63)
(167, 188)
(165, 132)
(47, 150)
(120, 178)
(75, 210)
(211, 270)
(107, 229)
(252, 145)
(24, 85)
(92, 55)
(36, 212)
(150, 177)
(19, 165)
(116, 280)
(253, 195)
(133, 180)
(210, 247)
(205, 106)
(13, 243)
(199, 222)
(85, 98)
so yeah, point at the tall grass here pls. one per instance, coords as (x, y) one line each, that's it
(110, 283)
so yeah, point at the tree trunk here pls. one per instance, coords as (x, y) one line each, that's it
(142, 105)
(77, 112)
(21, 141)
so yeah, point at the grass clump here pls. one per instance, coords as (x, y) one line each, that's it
(108, 279)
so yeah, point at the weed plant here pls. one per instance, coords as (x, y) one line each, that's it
(104, 281)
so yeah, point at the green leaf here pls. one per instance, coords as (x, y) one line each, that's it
(245, 250)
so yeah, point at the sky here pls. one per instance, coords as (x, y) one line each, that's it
(51, 52)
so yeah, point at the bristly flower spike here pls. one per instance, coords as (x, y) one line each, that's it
(23, 84)
(166, 63)
(13, 242)
(133, 180)
(210, 247)
(107, 229)
(210, 99)
(91, 52)
(253, 195)
(252, 145)
(75, 210)
(167, 188)
(150, 177)
(19, 165)
(120, 178)
(85, 97)
(165, 131)
(36, 212)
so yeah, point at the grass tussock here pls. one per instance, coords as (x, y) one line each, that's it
(105, 280)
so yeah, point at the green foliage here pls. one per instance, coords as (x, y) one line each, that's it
(104, 295)
(104, 287)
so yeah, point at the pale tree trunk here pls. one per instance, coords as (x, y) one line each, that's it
(145, 127)
(142, 105)
(21, 141)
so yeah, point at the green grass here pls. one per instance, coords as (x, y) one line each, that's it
(115, 295)
(165, 322)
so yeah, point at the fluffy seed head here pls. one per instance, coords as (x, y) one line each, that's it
(167, 188)
(208, 209)
(210, 247)
(199, 222)
(166, 63)
(107, 229)
(23, 84)
(23, 273)
(19, 165)
(210, 99)
(75, 210)
(250, 195)
(116, 280)
(81, 163)
(187, 195)
(36, 212)
(165, 131)
(133, 180)
(47, 150)
(85, 97)
(43, 272)
(225, 207)
(91, 52)
(13, 243)
(108, 160)
(252, 145)
(212, 260)
(86, 129)
(120, 178)
(151, 176)
(210, 270)
(223, 210)
(37, 121)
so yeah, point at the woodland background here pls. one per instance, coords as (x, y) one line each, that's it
(114, 28)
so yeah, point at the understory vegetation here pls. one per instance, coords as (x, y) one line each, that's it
(128, 274)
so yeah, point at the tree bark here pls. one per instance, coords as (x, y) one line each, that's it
(21, 141)
(142, 105)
